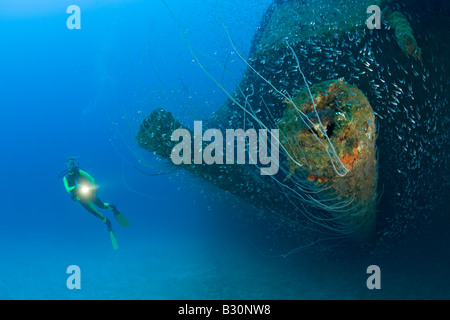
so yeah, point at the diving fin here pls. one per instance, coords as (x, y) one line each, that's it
(113, 240)
(111, 235)
(120, 218)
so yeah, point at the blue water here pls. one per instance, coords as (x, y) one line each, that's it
(84, 92)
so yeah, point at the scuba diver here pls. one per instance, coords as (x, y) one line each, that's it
(82, 188)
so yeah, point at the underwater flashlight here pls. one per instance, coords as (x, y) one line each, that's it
(85, 189)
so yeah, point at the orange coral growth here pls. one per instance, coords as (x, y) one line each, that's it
(313, 177)
(348, 159)
(411, 48)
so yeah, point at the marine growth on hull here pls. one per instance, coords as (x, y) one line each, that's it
(330, 140)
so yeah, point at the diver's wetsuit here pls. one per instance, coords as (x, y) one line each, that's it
(81, 177)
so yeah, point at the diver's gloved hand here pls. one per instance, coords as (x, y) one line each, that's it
(74, 197)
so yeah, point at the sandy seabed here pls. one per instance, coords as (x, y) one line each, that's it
(213, 268)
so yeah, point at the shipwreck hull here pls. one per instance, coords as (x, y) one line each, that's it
(328, 177)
